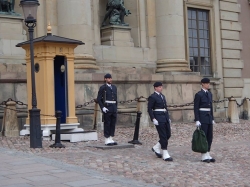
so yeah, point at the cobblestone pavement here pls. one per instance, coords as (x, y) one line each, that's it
(231, 149)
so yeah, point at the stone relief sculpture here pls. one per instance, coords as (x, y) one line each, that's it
(116, 12)
(7, 6)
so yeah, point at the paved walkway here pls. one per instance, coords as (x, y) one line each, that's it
(81, 165)
(19, 169)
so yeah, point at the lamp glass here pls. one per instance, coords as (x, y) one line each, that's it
(29, 9)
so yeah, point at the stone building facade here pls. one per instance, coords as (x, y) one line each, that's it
(174, 41)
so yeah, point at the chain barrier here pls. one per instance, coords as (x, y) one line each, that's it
(17, 102)
(86, 104)
(221, 101)
(239, 105)
(25, 111)
(122, 113)
(18, 110)
(132, 100)
(13, 109)
(177, 106)
(120, 102)
(138, 98)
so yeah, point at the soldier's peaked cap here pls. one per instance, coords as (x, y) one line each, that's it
(205, 80)
(107, 76)
(156, 84)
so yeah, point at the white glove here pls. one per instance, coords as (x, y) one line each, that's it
(105, 110)
(213, 122)
(155, 122)
(197, 123)
(169, 121)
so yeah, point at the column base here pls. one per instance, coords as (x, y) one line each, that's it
(85, 62)
(171, 65)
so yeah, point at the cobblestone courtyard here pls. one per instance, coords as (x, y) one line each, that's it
(230, 148)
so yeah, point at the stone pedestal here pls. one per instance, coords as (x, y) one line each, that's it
(233, 111)
(11, 33)
(142, 106)
(10, 124)
(97, 122)
(246, 109)
(115, 35)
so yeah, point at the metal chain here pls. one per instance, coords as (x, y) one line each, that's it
(121, 102)
(17, 102)
(239, 105)
(132, 100)
(86, 104)
(129, 114)
(138, 98)
(13, 109)
(175, 106)
(25, 111)
(221, 101)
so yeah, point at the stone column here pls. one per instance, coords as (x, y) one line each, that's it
(96, 19)
(233, 115)
(10, 124)
(46, 13)
(40, 29)
(51, 15)
(171, 46)
(142, 21)
(75, 21)
(151, 23)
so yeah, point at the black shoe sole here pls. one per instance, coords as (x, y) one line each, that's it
(157, 154)
(207, 160)
(170, 159)
(109, 144)
(212, 160)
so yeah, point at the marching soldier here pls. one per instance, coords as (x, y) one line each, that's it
(107, 99)
(203, 111)
(157, 110)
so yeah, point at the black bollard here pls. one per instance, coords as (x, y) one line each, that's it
(137, 127)
(57, 143)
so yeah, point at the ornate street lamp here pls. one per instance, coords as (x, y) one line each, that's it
(30, 13)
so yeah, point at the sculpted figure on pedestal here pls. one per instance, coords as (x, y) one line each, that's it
(116, 12)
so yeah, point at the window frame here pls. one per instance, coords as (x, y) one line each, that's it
(199, 27)
(211, 22)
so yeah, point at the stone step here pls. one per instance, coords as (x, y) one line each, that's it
(78, 136)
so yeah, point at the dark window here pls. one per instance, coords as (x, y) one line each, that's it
(199, 41)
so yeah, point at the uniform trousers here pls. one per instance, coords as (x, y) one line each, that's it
(164, 132)
(109, 124)
(208, 130)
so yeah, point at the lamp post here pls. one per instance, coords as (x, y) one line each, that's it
(30, 13)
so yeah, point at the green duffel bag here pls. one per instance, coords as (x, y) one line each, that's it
(199, 141)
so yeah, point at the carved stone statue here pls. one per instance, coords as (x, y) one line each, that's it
(7, 6)
(115, 12)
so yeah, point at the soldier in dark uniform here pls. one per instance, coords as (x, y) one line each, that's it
(157, 110)
(203, 112)
(107, 99)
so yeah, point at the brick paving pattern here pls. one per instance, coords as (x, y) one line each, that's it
(230, 148)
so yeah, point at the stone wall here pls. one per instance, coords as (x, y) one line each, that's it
(231, 48)
(244, 37)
